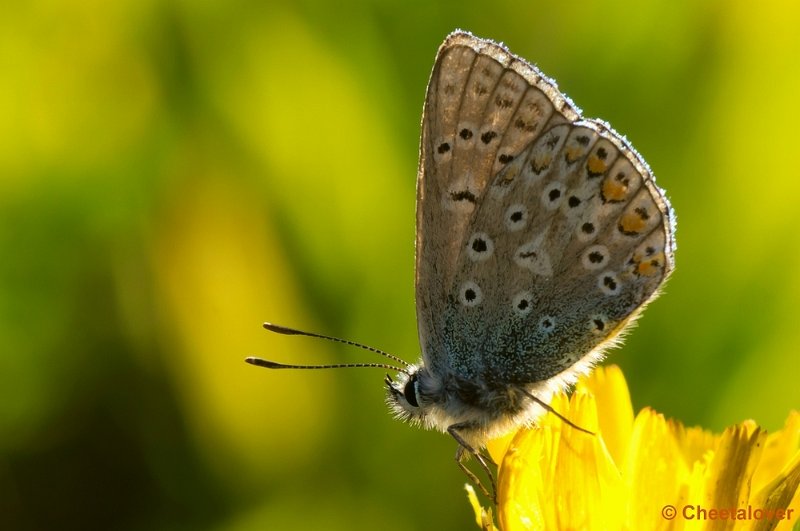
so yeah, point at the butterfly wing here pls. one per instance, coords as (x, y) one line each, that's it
(480, 97)
(539, 234)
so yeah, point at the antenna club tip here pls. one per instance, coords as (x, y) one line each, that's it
(278, 329)
(259, 362)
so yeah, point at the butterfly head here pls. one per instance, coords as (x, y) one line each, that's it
(417, 397)
(403, 395)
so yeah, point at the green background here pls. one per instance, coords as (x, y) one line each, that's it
(173, 173)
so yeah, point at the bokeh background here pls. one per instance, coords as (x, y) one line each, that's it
(173, 173)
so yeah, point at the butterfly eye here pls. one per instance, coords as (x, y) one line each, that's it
(410, 391)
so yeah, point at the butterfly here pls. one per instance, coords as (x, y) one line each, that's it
(541, 235)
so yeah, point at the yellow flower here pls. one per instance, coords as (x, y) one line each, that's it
(641, 473)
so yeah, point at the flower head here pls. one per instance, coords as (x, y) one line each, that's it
(641, 473)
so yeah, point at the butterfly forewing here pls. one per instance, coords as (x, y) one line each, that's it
(539, 234)
(476, 94)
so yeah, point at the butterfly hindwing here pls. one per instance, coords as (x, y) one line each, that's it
(568, 256)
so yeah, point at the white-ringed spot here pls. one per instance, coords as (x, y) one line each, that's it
(595, 257)
(598, 324)
(609, 283)
(587, 228)
(470, 294)
(443, 149)
(516, 217)
(522, 303)
(480, 247)
(547, 324)
(552, 195)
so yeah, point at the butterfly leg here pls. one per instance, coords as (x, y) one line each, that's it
(463, 454)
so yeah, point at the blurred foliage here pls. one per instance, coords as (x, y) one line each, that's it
(172, 173)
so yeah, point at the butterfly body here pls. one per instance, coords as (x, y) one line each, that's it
(540, 236)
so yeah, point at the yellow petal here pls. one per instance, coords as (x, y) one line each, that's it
(696, 444)
(615, 412)
(482, 517)
(625, 476)
(497, 447)
(778, 495)
(656, 472)
(557, 477)
(523, 473)
(779, 449)
(730, 471)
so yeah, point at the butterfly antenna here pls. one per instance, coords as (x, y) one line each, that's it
(278, 329)
(267, 364)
